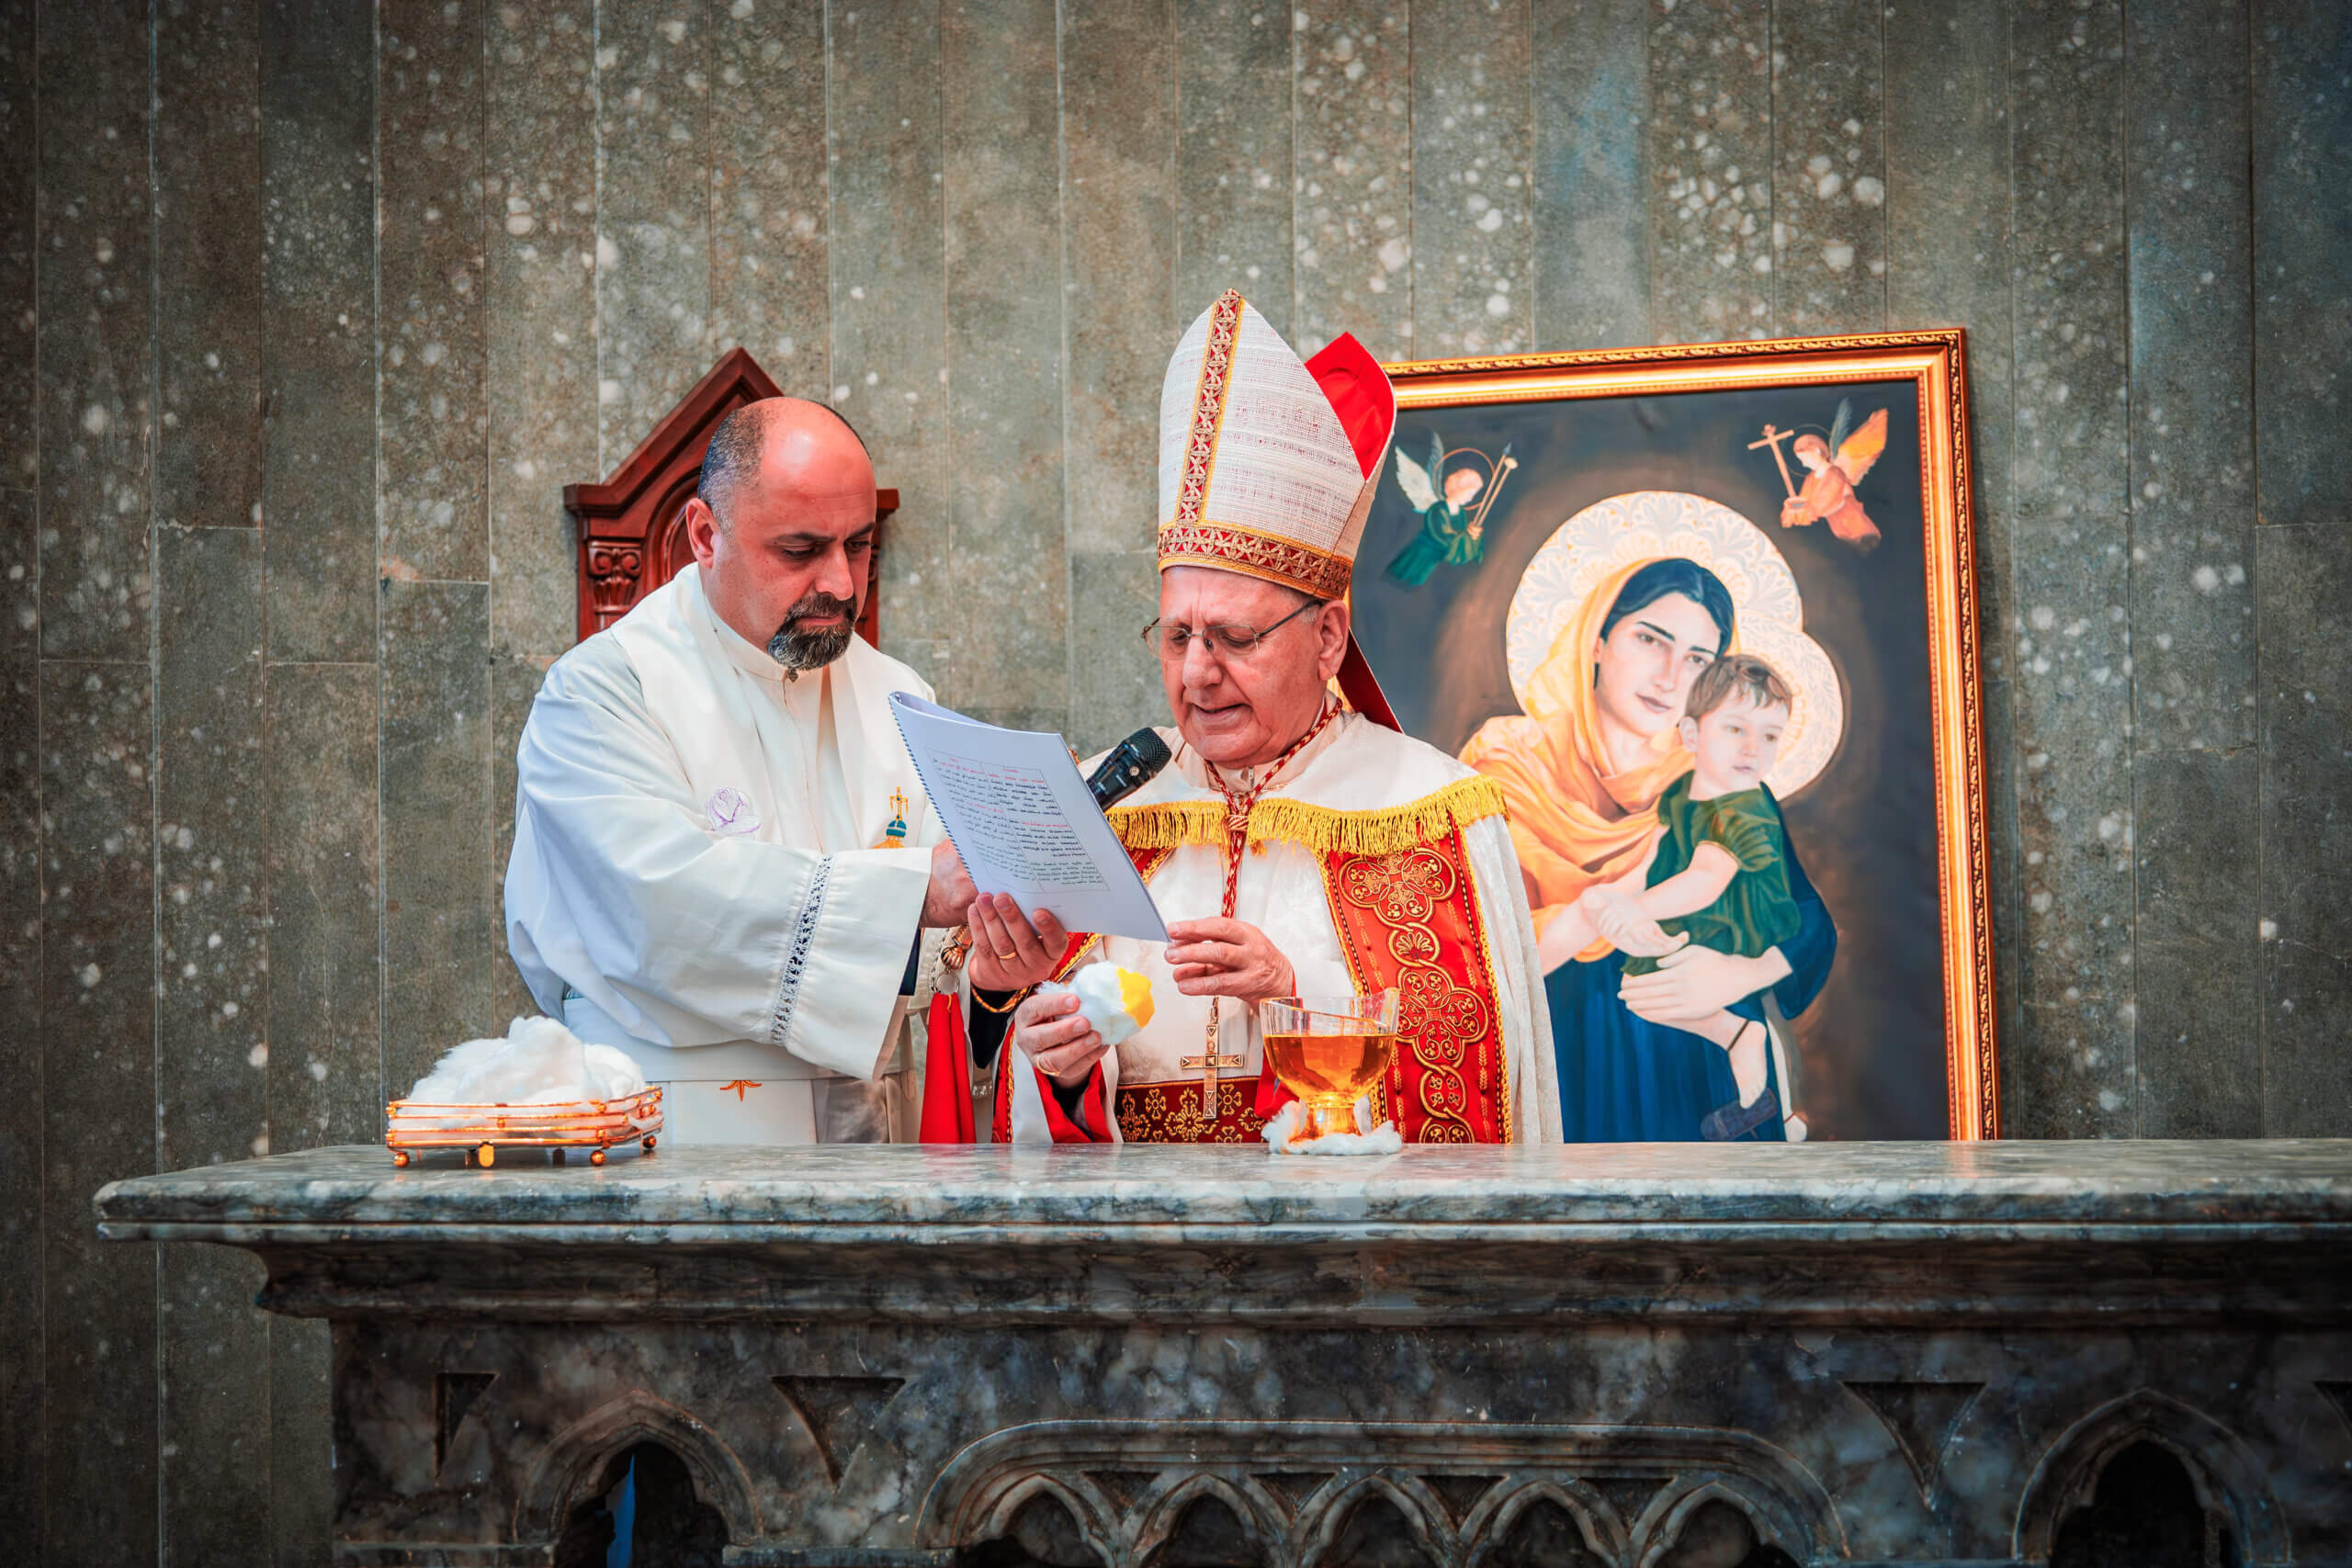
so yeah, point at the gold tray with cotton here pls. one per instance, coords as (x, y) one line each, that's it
(412, 1127)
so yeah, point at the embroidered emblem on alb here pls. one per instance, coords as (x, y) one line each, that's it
(894, 836)
(730, 814)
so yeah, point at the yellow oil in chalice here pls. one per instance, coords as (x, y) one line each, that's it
(1331, 1051)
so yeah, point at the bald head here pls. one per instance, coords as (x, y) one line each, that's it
(738, 448)
(782, 527)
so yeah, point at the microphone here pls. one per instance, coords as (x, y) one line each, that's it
(1133, 763)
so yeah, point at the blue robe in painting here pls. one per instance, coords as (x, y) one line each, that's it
(1624, 1079)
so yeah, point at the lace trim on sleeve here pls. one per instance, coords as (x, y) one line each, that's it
(796, 954)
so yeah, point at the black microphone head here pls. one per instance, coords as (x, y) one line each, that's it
(1150, 751)
(1131, 764)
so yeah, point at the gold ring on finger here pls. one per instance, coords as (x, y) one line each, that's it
(1007, 957)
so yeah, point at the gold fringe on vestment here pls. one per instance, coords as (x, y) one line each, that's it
(1319, 828)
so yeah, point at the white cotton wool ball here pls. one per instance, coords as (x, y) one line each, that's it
(1116, 1001)
(611, 1073)
(539, 1063)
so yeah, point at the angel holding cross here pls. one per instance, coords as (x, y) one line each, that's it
(1828, 495)
(1454, 523)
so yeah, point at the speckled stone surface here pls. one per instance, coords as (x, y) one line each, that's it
(233, 231)
(539, 312)
(440, 918)
(1711, 171)
(1828, 177)
(1472, 162)
(1881, 1353)
(21, 1370)
(431, 360)
(1232, 157)
(212, 944)
(1351, 153)
(1589, 86)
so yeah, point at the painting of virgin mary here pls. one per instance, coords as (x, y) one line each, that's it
(1643, 1057)
(1649, 527)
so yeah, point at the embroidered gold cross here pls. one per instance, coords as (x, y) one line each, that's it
(1209, 1065)
(738, 1086)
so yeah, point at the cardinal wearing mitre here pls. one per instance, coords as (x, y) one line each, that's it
(1297, 845)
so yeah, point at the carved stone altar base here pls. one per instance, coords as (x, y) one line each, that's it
(874, 1355)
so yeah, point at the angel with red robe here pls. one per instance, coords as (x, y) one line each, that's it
(1828, 495)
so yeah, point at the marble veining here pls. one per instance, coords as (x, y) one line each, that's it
(1921, 1353)
(2267, 1182)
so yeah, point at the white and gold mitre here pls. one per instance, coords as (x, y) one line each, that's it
(1268, 464)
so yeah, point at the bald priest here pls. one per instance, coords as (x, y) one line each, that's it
(724, 864)
(1295, 847)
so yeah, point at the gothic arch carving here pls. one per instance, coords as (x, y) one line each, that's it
(2228, 1476)
(1424, 1515)
(575, 1457)
(1089, 1509)
(1267, 1472)
(1487, 1526)
(1158, 1516)
(1659, 1530)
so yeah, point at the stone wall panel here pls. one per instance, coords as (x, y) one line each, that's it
(1009, 639)
(1711, 171)
(2305, 586)
(1233, 158)
(318, 148)
(769, 278)
(2192, 359)
(1589, 206)
(538, 312)
(653, 149)
(1474, 259)
(97, 1004)
(1829, 150)
(440, 917)
(19, 313)
(882, 159)
(23, 1430)
(208, 263)
(95, 344)
(1353, 175)
(2302, 141)
(1119, 253)
(211, 1027)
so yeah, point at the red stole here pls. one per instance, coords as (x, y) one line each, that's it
(1409, 919)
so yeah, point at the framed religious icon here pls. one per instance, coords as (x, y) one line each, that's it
(1707, 616)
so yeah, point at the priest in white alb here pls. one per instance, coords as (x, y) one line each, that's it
(724, 864)
(1297, 844)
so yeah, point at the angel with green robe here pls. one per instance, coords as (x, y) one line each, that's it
(1450, 531)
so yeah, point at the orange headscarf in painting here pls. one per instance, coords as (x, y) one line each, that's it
(1573, 822)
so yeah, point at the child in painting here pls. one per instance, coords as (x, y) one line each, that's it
(1718, 870)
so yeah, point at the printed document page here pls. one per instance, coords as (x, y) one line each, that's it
(1025, 822)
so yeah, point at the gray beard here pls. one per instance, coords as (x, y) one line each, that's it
(797, 650)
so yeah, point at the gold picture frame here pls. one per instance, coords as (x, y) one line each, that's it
(1911, 388)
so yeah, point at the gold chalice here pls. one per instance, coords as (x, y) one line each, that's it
(1330, 1050)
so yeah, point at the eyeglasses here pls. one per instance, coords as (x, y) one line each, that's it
(1172, 641)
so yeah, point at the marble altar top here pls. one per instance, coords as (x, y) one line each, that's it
(723, 1192)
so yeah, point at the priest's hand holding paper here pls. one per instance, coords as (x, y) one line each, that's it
(1228, 958)
(1011, 950)
(949, 897)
